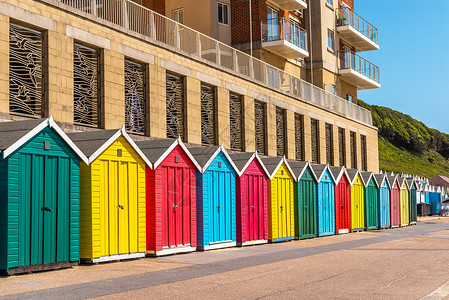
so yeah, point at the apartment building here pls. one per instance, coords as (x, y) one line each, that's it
(97, 65)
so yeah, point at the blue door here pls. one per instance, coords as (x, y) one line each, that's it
(384, 205)
(326, 206)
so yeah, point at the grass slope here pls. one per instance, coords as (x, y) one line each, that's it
(394, 159)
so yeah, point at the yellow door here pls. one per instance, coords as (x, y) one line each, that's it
(357, 204)
(405, 209)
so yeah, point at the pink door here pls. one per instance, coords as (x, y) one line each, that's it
(394, 206)
(255, 207)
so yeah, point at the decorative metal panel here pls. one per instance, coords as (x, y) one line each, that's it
(363, 152)
(341, 146)
(314, 132)
(85, 79)
(207, 115)
(235, 114)
(25, 71)
(299, 137)
(280, 132)
(329, 145)
(259, 122)
(174, 89)
(353, 151)
(134, 97)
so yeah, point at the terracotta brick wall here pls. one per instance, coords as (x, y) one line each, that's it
(240, 20)
(349, 3)
(156, 5)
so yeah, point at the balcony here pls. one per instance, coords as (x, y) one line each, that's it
(358, 71)
(141, 22)
(284, 38)
(290, 4)
(356, 30)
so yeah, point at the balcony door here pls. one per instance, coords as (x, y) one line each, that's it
(272, 24)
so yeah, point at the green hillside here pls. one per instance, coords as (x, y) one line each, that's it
(408, 145)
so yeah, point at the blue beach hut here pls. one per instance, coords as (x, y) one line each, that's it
(383, 194)
(325, 200)
(216, 198)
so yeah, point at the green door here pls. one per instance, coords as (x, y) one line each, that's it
(307, 210)
(371, 214)
(44, 209)
(413, 205)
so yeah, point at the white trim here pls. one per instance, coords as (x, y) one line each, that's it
(118, 257)
(67, 140)
(369, 178)
(229, 158)
(308, 164)
(172, 250)
(324, 171)
(219, 245)
(197, 165)
(247, 164)
(281, 161)
(45, 123)
(261, 163)
(25, 138)
(252, 243)
(288, 167)
(355, 176)
(212, 158)
(360, 35)
(165, 154)
(120, 132)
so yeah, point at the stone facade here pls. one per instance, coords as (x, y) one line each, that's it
(64, 26)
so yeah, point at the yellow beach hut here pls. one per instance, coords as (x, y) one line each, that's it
(357, 200)
(404, 202)
(112, 218)
(281, 200)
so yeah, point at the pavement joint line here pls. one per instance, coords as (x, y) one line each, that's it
(155, 278)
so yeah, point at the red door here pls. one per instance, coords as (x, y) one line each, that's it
(342, 206)
(394, 206)
(255, 207)
(176, 206)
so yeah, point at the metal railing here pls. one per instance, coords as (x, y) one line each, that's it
(345, 16)
(350, 60)
(134, 17)
(282, 29)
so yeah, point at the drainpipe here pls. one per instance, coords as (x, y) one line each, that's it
(309, 8)
(250, 28)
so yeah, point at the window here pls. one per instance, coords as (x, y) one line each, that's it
(25, 71)
(329, 145)
(178, 15)
(299, 137)
(330, 2)
(280, 132)
(273, 27)
(341, 146)
(223, 14)
(174, 97)
(330, 40)
(259, 124)
(235, 114)
(272, 77)
(353, 150)
(86, 87)
(363, 152)
(349, 97)
(135, 96)
(207, 115)
(315, 140)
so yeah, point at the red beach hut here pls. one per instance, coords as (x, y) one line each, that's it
(395, 216)
(171, 197)
(342, 200)
(251, 190)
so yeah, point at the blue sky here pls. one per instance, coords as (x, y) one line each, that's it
(413, 57)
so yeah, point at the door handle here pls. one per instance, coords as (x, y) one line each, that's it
(356, 206)
(46, 208)
(342, 207)
(218, 207)
(253, 207)
(305, 207)
(175, 206)
(281, 207)
(120, 206)
(324, 206)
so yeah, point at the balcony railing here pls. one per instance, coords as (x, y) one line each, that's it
(282, 29)
(347, 17)
(350, 60)
(141, 20)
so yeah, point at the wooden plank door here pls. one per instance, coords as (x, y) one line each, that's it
(63, 213)
(123, 211)
(50, 209)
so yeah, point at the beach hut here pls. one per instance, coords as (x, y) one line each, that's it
(412, 201)
(342, 200)
(383, 196)
(404, 202)
(113, 216)
(371, 201)
(306, 225)
(427, 191)
(39, 196)
(434, 200)
(357, 200)
(420, 193)
(216, 199)
(281, 200)
(325, 200)
(170, 197)
(252, 200)
(395, 214)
